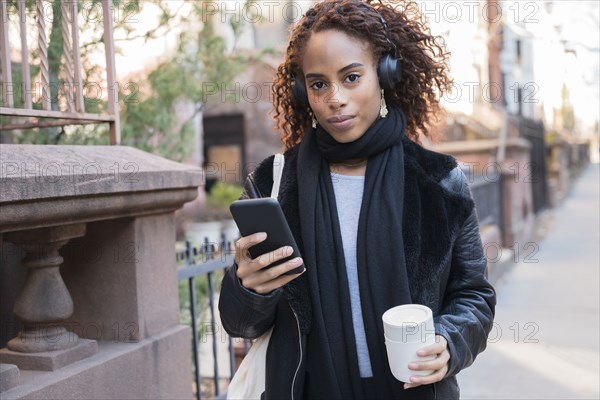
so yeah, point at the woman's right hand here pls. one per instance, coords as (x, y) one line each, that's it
(250, 271)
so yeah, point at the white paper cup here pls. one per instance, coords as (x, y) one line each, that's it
(408, 323)
(402, 353)
(407, 328)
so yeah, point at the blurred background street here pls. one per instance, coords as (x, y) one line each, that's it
(545, 344)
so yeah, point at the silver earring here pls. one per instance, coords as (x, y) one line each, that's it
(383, 111)
(314, 121)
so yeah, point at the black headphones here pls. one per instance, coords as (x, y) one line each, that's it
(389, 69)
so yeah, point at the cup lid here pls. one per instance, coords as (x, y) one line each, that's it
(407, 315)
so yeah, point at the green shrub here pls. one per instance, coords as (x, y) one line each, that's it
(223, 194)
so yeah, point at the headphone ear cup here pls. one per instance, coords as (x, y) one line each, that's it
(299, 92)
(390, 72)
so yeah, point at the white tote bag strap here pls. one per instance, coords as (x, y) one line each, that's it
(278, 163)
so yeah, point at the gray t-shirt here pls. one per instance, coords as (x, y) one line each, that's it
(348, 197)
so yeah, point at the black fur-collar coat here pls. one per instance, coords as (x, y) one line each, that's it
(444, 258)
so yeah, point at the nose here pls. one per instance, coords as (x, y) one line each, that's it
(337, 98)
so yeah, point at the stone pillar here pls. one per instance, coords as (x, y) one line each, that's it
(44, 303)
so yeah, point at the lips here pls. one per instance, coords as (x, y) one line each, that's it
(341, 121)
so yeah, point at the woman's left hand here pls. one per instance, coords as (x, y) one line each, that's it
(439, 365)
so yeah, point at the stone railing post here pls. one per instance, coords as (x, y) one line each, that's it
(44, 303)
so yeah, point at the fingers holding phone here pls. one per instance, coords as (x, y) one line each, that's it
(264, 259)
(253, 273)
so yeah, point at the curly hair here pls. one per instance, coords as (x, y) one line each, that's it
(423, 56)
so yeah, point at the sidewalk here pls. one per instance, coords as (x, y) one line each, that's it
(545, 342)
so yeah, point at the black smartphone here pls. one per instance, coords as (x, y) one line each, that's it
(265, 215)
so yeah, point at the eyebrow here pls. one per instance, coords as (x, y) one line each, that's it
(346, 68)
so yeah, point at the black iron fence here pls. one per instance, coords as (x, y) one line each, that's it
(534, 132)
(206, 262)
(487, 194)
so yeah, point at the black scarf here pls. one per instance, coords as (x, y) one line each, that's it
(332, 364)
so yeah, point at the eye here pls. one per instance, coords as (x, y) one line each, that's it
(352, 78)
(318, 85)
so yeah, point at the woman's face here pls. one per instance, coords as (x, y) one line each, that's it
(342, 84)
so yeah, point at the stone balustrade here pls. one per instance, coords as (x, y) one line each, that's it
(88, 292)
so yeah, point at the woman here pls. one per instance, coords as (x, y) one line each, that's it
(379, 220)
